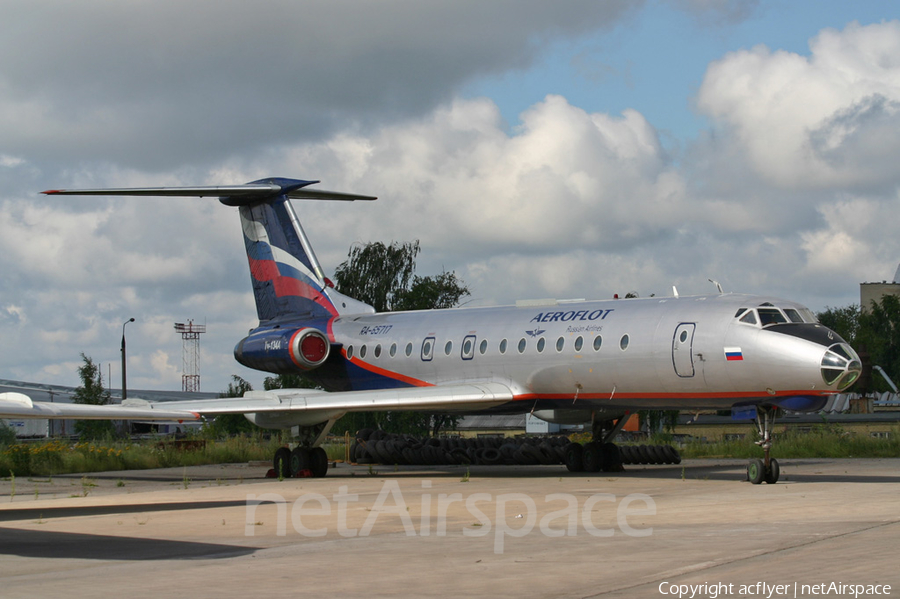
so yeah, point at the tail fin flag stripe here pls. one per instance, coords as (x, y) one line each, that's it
(281, 272)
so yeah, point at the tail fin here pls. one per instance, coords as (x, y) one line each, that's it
(288, 282)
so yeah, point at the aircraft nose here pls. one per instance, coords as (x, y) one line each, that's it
(841, 366)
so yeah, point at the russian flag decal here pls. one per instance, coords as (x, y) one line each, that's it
(733, 353)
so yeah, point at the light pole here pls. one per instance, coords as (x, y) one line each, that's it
(124, 390)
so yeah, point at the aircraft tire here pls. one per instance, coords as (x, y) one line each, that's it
(461, 456)
(491, 457)
(611, 460)
(674, 456)
(756, 471)
(534, 454)
(773, 472)
(522, 458)
(282, 462)
(592, 457)
(299, 460)
(574, 452)
(318, 462)
(644, 454)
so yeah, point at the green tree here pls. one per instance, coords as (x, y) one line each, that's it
(843, 321)
(91, 392)
(384, 277)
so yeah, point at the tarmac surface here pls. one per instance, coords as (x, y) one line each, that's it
(525, 531)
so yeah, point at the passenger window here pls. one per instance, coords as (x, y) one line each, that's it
(522, 344)
(560, 343)
(362, 352)
(503, 346)
(579, 343)
(483, 347)
(540, 345)
(409, 349)
(598, 341)
(623, 342)
(393, 349)
(349, 352)
(448, 347)
(378, 351)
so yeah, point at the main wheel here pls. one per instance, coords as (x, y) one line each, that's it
(574, 453)
(318, 462)
(592, 457)
(773, 472)
(611, 460)
(282, 462)
(299, 460)
(756, 471)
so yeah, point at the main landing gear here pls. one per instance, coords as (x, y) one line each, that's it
(600, 454)
(306, 458)
(766, 469)
(300, 461)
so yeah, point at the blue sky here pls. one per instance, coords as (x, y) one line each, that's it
(571, 149)
(655, 60)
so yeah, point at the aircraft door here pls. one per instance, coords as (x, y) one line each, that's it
(682, 349)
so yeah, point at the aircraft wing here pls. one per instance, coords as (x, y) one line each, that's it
(17, 405)
(458, 397)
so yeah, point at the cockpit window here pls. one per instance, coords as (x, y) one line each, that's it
(749, 317)
(769, 316)
(793, 315)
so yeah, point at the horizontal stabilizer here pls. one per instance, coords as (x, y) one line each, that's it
(237, 194)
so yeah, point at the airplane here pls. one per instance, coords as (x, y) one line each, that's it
(565, 361)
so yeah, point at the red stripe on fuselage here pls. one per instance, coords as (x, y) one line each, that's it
(709, 395)
(388, 373)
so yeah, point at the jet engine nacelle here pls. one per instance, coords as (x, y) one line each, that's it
(284, 350)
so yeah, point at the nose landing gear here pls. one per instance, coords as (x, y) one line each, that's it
(766, 469)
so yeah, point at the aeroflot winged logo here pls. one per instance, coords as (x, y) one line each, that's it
(572, 315)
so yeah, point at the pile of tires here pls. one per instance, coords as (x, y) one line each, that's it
(649, 454)
(379, 447)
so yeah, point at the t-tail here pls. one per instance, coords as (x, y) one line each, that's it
(295, 302)
(288, 281)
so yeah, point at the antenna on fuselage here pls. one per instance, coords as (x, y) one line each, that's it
(674, 291)
(716, 283)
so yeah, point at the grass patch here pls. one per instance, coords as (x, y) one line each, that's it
(825, 441)
(57, 456)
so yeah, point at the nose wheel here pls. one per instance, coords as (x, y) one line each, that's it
(766, 469)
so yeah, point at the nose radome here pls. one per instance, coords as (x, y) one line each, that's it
(841, 366)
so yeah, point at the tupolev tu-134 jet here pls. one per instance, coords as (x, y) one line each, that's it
(564, 361)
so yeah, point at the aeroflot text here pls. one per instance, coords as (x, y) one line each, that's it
(391, 505)
(572, 315)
